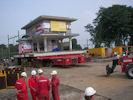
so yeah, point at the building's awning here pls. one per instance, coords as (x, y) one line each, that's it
(44, 17)
(55, 36)
(49, 35)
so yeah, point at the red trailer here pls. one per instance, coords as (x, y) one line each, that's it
(55, 58)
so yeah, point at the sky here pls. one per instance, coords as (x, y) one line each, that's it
(14, 14)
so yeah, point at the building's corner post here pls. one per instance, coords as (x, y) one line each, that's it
(32, 47)
(70, 43)
(45, 45)
(38, 46)
(61, 40)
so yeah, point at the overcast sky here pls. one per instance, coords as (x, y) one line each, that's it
(16, 13)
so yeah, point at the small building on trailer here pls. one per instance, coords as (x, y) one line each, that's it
(44, 37)
(46, 33)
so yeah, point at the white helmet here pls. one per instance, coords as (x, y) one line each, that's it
(54, 72)
(124, 54)
(89, 91)
(33, 72)
(40, 71)
(115, 53)
(24, 74)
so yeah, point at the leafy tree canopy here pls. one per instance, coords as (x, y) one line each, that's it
(112, 25)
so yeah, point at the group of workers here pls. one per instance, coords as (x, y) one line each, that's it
(39, 87)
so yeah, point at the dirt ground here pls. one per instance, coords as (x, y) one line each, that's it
(116, 87)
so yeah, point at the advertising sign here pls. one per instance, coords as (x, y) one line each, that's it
(25, 48)
(58, 26)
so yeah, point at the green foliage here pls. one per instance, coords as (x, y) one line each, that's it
(86, 48)
(4, 50)
(112, 25)
(75, 46)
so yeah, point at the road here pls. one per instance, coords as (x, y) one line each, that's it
(116, 87)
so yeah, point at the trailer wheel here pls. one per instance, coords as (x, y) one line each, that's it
(129, 71)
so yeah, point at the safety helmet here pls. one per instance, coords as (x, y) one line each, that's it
(115, 53)
(33, 72)
(40, 71)
(124, 54)
(89, 91)
(54, 72)
(24, 74)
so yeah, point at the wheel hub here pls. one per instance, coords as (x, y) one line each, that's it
(131, 72)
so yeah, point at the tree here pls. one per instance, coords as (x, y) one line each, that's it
(75, 45)
(112, 25)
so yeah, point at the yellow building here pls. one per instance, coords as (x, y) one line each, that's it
(123, 49)
(100, 51)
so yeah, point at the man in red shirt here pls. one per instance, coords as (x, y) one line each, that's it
(21, 88)
(33, 85)
(43, 86)
(55, 85)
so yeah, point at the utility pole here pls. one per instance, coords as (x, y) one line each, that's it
(8, 47)
(17, 36)
(87, 43)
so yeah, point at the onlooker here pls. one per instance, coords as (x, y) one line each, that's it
(21, 88)
(43, 86)
(33, 85)
(55, 85)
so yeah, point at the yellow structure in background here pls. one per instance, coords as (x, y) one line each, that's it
(123, 49)
(103, 52)
(97, 51)
(119, 50)
(58, 26)
(3, 75)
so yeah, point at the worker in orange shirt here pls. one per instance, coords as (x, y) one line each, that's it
(21, 87)
(55, 85)
(43, 86)
(33, 85)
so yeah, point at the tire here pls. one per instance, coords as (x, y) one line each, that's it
(129, 71)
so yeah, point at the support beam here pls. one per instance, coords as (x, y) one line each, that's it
(38, 46)
(45, 45)
(70, 43)
(33, 47)
(61, 40)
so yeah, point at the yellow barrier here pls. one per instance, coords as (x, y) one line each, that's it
(97, 51)
(3, 83)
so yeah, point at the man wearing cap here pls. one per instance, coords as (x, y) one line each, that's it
(33, 85)
(55, 85)
(21, 87)
(89, 93)
(43, 86)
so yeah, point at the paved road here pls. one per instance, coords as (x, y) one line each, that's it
(117, 86)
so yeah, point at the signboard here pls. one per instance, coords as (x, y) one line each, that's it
(46, 25)
(36, 30)
(25, 48)
(58, 26)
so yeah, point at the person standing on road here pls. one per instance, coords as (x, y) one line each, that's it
(89, 94)
(21, 88)
(33, 85)
(43, 86)
(55, 85)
